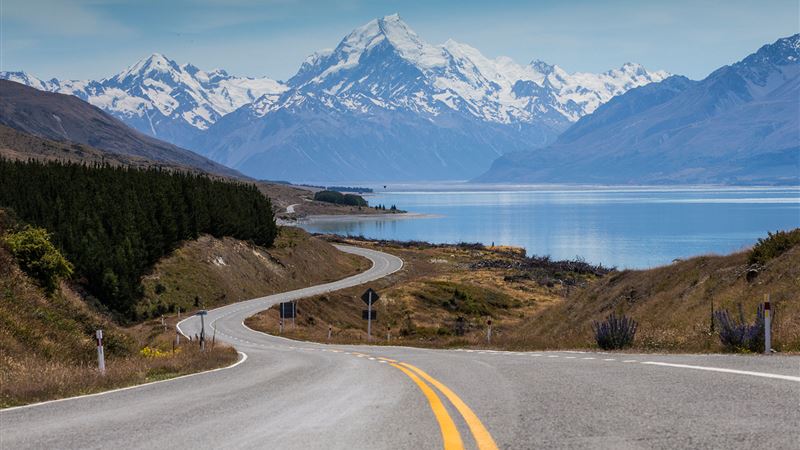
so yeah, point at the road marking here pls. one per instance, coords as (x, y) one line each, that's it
(127, 388)
(719, 369)
(588, 357)
(552, 356)
(609, 359)
(570, 357)
(630, 361)
(450, 436)
(479, 432)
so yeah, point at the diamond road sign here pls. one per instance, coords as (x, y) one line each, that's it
(370, 296)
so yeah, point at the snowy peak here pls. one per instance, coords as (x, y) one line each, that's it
(385, 64)
(157, 92)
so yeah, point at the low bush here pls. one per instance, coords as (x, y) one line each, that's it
(774, 245)
(38, 257)
(614, 332)
(739, 335)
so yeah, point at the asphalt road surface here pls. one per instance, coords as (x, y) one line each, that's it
(295, 395)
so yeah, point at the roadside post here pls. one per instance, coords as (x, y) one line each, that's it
(369, 297)
(202, 313)
(101, 357)
(388, 333)
(177, 336)
(330, 330)
(280, 326)
(767, 326)
(489, 331)
(286, 310)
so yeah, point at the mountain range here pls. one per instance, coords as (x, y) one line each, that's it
(60, 118)
(739, 125)
(383, 105)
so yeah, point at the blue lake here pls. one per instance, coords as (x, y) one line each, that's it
(623, 227)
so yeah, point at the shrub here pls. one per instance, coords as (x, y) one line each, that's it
(614, 332)
(738, 335)
(340, 199)
(38, 257)
(774, 245)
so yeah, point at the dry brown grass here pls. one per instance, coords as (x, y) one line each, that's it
(222, 271)
(672, 303)
(30, 379)
(422, 302)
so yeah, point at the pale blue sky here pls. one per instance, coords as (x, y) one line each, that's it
(78, 39)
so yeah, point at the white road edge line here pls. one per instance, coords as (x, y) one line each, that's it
(720, 369)
(127, 388)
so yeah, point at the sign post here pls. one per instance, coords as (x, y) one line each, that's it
(202, 313)
(101, 357)
(369, 298)
(767, 325)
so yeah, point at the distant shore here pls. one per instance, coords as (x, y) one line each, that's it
(358, 217)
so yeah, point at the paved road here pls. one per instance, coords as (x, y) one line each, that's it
(294, 395)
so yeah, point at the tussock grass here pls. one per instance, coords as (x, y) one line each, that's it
(30, 379)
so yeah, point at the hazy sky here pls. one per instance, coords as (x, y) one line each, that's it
(95, 38)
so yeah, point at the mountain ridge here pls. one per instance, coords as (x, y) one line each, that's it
(67, 118)
(739, 125)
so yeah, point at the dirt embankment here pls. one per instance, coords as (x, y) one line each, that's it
(210, 272)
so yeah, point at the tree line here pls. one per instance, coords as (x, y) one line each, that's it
(115, 223)
(340, 199)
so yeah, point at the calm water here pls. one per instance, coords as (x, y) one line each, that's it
(627, 228)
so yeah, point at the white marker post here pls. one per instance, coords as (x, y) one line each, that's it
(330, 330)
(280, 326)
(177, 336)
(767, 326)
(388, 334)
(101, 357)
(489, 331)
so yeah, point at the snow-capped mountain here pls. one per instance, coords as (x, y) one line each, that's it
(383, 104)
(739, 125)
(385, 100)
(161, 98)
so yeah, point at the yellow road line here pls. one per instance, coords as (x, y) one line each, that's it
(479, 432)
(386, 359)
(450, 435)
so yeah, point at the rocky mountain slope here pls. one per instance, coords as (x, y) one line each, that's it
(383, 105)
(739, 125)
(66, 118)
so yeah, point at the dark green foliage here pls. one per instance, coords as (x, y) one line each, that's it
(614, 332)
(114, 223)
(38, 257)
(740, 335)
(339, 198)
(774, 245)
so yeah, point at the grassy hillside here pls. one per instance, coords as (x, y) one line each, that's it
(421, 303)
(536, 303)
(221, 271)
(673, 304)
(47, 349)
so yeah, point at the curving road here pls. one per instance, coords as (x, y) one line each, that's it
(289, 394)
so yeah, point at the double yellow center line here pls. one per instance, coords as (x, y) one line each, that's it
(450, 435)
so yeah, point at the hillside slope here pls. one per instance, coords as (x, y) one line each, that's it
(222, 271)
(62, 117)
(673, 304)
